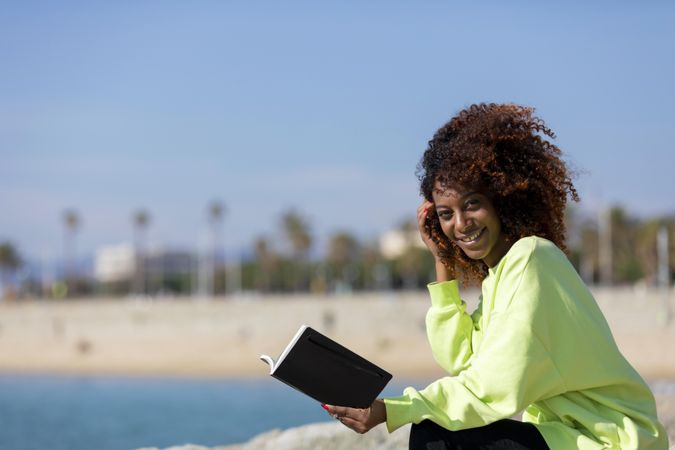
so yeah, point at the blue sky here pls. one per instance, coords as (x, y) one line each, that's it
(326, 107)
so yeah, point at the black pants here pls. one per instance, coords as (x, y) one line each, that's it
(504, 434)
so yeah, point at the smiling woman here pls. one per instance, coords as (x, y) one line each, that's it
(470, 221)
(495, 193)
(501, 152)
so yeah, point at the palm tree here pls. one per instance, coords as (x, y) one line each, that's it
(647, 248)
(10, 261)
(296, 229)
(589, 252)
(411, 264)
(376, 274)
(216, 211)
(573, 228)
(266, 262)
(343, 252)
(626, 266)
(72, 222)
(141, 221)
(663, 257)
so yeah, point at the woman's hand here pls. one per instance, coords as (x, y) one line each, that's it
(423, 214)
(359, 420)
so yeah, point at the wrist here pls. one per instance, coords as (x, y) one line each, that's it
(442, 272)
(379, 411)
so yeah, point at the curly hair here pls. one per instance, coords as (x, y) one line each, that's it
(502, 151)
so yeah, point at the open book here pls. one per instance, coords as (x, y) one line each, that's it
(326, 371)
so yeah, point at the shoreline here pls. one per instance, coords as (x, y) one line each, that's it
(223, 338)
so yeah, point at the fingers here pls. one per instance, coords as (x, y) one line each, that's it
(341, 411)
(423, 211)
(353, 418)
(424, 208)
(359, 427)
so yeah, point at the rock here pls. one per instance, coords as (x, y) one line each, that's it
(334, 436)
(327, 436)
(186, 447)
(318, 436)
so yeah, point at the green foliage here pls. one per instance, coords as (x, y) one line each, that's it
(10, 260)
(633, 246)
(351, 265)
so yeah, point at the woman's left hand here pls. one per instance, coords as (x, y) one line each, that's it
(359, 420)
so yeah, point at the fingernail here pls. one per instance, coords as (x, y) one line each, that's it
(325, 407)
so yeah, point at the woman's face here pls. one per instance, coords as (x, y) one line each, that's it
(470, 221)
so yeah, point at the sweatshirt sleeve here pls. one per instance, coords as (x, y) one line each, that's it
(511, 369)
(449, 327)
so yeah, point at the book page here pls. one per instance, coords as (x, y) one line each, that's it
(269, 361)
(274, 364)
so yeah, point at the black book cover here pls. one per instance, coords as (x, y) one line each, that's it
(328, 372)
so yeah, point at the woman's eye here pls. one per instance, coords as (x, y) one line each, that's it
(444, 216)
(473, 202)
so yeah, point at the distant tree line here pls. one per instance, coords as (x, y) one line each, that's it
(613, 248)
(347, 265)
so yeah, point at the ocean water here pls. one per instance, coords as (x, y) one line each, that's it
(114, 413)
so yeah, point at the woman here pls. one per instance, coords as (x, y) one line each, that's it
(495, 191)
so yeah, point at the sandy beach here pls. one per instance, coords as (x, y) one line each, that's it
(223, 337)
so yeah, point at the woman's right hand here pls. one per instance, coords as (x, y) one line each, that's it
(423, 214)
(424, 211)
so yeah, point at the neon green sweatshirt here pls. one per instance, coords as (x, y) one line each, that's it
(537, 343)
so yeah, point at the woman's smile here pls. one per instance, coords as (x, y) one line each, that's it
(469, 219)
(472, 238)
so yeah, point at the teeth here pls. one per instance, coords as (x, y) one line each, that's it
(472, 237)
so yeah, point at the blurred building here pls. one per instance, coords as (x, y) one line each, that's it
(394, 243)
(170, 263)
(115, 263)
(160, 270)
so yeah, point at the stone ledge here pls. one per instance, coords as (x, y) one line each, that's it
(317, 436)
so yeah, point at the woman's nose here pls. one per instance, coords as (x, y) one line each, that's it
(460, 221)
